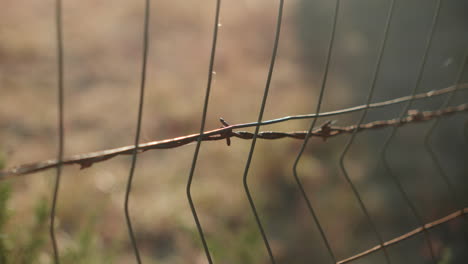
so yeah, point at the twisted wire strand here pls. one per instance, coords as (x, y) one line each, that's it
(202, 128)
(307, 136)
(88, 159)
(383, 152)
(324, 131)
(60, 105)
(354, 134)
(226, 133)
(257, 128)
(138, 130)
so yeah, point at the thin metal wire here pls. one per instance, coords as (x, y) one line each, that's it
(86, 160)
(325, 131)
(353, 136)
(353, 109)
(59, 36)
(459, 213)
(453, 193)
(383, 153)
(257, 129)
(138, 130)
(312, 125)
(427, 138)
(202, 128)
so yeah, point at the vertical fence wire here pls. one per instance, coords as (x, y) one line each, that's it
(202, 128)
(138, 130)
(353, 136)
(452, 190)
(428, 144)
(312, 125)
(60, 104)
(257, 129)
(383, 153)
(465, 131)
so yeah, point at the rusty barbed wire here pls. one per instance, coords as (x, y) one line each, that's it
(325, 131)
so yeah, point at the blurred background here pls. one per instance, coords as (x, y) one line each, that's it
(102, 49)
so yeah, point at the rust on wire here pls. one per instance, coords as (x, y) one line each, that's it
(383, 154)
(370, 95)
(443, 220)
(325, 131)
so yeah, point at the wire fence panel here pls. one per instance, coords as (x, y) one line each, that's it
(337, 180)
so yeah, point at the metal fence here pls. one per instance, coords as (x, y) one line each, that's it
(324, 131)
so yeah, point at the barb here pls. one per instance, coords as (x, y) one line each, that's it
(354, 134)
(138, 130)
(309, 132)
(257, 128)
(325, 131)
(87, 160)
(383, 152)
(421, 229)
(60, 104)
(202, 127)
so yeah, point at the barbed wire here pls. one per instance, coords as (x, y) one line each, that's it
(325, 131)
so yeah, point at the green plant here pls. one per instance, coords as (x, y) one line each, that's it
(26, 244)
(4, 215)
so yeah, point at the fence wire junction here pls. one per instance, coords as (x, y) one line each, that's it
(228, 132)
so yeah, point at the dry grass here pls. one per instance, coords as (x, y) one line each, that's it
(103, 41)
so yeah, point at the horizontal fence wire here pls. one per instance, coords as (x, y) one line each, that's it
(344, 171)
(460, 213)
(324, 131)
(452, 191)
(383, 153)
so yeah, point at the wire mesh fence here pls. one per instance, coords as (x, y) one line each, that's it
(329, 129)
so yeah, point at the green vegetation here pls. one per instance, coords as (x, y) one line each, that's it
(30, 244)
(102, 47)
